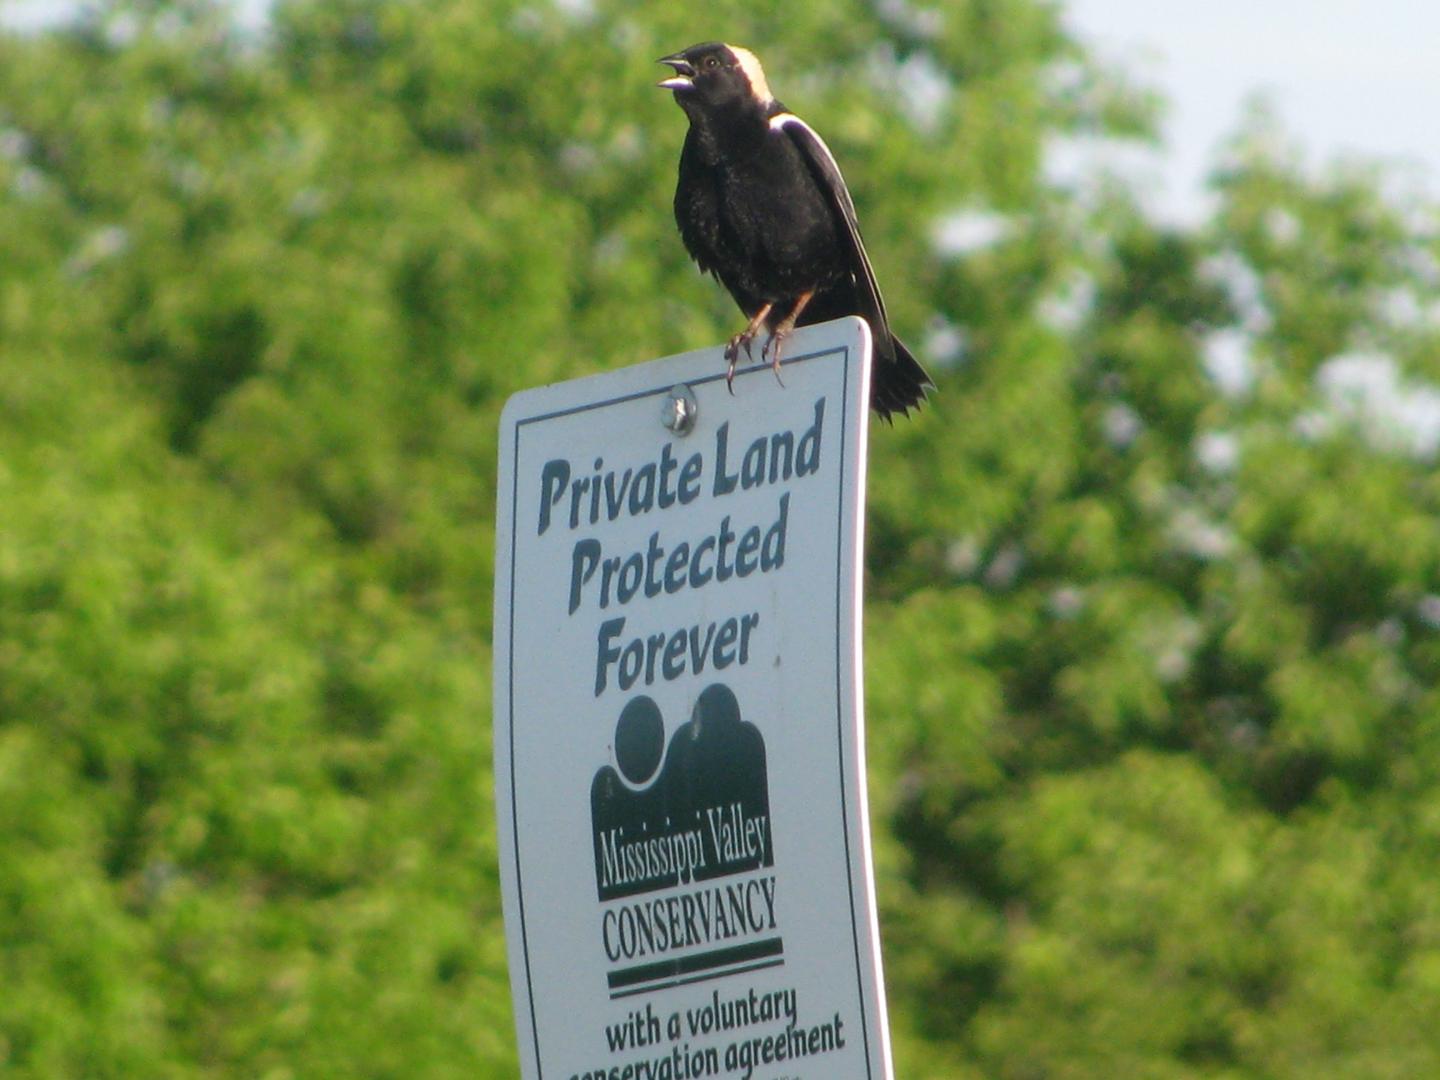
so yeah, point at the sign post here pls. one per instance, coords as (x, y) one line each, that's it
(679, 756)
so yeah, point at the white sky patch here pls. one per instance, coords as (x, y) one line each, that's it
(30, 15)
(963, 555)
(1088, 165)
(944, 342)
(610, 250)
(1066, 307)
(924, 89)
(1066, 78)
(1367, 389)
(1419, 259)
(1429, 609)
(1004, 568)
(1242, 288)
(922, 22)
(1122, 425)
(1402, 308)
(15, 145)
(1191, 531)
(29, 183)
(1173, 647)
(252, 15)
(581, 10)
(1066, 601)
(1226, 355)
(1282, 227)
(1217, 451)
(308, 202)
(917, 84)
(579, 158)
(102, 245)
(966, 232)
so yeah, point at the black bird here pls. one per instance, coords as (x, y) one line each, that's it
(762, 206)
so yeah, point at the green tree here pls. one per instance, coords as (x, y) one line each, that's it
(1154, 581)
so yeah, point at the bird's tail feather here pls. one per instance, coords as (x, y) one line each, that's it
(897, 382)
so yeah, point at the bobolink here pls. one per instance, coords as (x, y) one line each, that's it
(762, 206)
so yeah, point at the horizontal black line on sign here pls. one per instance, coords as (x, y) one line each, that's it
(686, 965)
(650, 988)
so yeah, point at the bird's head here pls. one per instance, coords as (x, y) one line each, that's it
(716, 75)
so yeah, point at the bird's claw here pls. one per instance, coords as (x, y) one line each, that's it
(772, 349)
(745, 339)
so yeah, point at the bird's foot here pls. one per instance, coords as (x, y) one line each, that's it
(742, 340)
(782, 331)
(772, 350)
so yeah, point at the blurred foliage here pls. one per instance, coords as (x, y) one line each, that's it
(1155, 583)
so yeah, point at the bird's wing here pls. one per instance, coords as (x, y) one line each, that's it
(822, 166)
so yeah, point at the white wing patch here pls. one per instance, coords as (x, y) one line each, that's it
(788, 119)
(835, 184)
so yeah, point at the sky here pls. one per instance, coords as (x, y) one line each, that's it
(1346, 78)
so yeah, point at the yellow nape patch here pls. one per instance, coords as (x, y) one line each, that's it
(750, 65)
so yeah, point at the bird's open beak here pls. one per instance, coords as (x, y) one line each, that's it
(684, 73)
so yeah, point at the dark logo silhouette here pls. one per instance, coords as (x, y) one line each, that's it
(694, 810)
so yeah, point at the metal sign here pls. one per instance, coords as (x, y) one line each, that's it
(679, 764)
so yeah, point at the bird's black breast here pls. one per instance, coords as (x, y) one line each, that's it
(751, 212)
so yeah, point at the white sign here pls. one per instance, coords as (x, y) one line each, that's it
(679, 768)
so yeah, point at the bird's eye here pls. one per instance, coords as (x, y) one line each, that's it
(712, 62)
